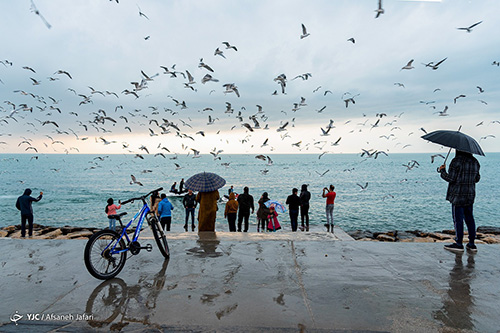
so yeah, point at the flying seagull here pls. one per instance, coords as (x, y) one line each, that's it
(408, 65)
(379, 10)
(141, 13)
(135, 181)
(37, 12)
(362, 187)
(304, 32)
(469, 29)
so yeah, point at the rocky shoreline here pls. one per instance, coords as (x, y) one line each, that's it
(485, 234)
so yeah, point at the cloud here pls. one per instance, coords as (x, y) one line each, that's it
(103, 45)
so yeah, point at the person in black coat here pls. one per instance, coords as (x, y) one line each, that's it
(293, 202)
(23, 204)
(305, 196)
(245, 201)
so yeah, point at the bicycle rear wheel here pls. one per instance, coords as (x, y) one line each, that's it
(99, 260)
(160, 238)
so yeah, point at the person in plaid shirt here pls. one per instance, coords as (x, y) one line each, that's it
(462, 176)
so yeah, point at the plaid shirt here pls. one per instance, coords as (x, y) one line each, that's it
(462, 176)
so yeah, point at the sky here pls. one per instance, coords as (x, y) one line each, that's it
(107, 45)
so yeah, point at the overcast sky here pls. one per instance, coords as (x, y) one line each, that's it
(106, 45)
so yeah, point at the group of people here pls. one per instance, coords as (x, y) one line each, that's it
(267, 216)
(181, 190)
(462, 175)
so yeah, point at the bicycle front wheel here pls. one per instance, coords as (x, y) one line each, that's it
(100, 262)
(160, 238)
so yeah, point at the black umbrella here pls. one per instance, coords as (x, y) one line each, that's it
(454, 139)
(205, 182)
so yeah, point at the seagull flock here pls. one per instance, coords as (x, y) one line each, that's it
(101, 116)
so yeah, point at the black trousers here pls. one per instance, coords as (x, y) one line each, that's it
(242, 215)
(24, 218)
(304, 215)
(294, 215)
(231, 220)
(165, 221)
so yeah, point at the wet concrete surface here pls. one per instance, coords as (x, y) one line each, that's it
(232, 282)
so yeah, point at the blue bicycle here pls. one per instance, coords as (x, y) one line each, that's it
(106, 251)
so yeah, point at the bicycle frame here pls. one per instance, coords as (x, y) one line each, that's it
(141, 214)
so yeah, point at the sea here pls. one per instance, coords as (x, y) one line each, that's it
(403, 191)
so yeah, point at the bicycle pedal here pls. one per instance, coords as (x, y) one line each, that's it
(148, 247)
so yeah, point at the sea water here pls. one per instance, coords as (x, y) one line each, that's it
(76, 187)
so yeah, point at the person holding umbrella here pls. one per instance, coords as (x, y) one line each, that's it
(207, 185)
(462, 176)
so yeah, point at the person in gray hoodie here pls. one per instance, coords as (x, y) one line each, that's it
(23, 204)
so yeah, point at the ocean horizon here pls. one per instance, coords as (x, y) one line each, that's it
(398, 196)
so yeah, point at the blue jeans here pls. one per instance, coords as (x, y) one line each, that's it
(329, 214)
(112, 224)
(189, 211)
(461, 214)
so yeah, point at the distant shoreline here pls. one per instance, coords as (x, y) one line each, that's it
(485, 234)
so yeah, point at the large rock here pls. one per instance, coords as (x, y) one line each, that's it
(386, 238)
(11, 228)
(46, 230)
(418, 233)
(405, 236)
(424, 240)
(392, 233)
(68, 229)
(440, 236)
(491, 240)
(78, 234)
(359, 234)
(16, 234)
(52, 234)
(489, 230)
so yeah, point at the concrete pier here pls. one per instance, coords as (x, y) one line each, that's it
(228, 282)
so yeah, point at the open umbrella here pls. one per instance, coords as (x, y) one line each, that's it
(454, 139)
(278, 206)
(205, 182)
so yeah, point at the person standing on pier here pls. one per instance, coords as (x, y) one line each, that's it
(305, 196)
(23, 204)
(462, 176)
(330, 201)
(245, 201)
(293, 202)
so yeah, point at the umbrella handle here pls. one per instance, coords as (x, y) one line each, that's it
(449, 151)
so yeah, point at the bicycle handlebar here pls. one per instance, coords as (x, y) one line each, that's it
(141, 197)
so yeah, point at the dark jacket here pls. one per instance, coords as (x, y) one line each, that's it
(263, 211)
(462, 176)
(189, 201)
(23, 203)
(293, 202)
(245, 201)
(305, 196)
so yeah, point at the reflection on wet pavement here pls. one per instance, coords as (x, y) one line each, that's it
(113, 301)
(207, 248)
(458, 302)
